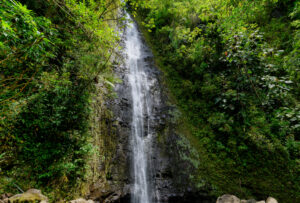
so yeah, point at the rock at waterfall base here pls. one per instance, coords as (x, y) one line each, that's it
(249, 201)
(271, 200)
(30, 195)
(233, 199)
(228, 199)
(6, 195)
(81, 200)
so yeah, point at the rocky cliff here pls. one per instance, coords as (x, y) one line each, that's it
(171, 164)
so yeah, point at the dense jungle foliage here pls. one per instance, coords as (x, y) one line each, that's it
(233, 67)
(51, 55)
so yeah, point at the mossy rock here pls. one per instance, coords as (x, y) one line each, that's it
(31, 195)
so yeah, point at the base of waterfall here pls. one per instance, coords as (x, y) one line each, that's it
(34, 195)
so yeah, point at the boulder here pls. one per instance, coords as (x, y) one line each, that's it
(248, 201)
(30, 195)
(228, 199)
(81, 200)
(271, 200)
(6, 195)
(113, 198)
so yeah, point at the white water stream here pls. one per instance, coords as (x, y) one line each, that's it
(141, 110)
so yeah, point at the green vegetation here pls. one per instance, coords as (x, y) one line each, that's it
(51, 55)
(233, 68)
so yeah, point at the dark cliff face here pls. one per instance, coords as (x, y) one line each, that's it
(168, 171)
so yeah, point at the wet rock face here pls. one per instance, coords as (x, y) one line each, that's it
(168, 173)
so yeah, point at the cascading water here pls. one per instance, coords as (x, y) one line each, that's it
(140, 132)
(144, 155)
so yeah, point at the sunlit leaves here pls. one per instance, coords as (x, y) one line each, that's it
(47, 77)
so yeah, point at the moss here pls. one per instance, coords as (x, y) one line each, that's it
(29, 196)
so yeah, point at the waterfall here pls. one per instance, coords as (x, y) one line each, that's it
(141, 114)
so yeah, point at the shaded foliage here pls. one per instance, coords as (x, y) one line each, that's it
(233, 67)
(51, 54)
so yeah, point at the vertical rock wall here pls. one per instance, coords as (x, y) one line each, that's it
(170, 169)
